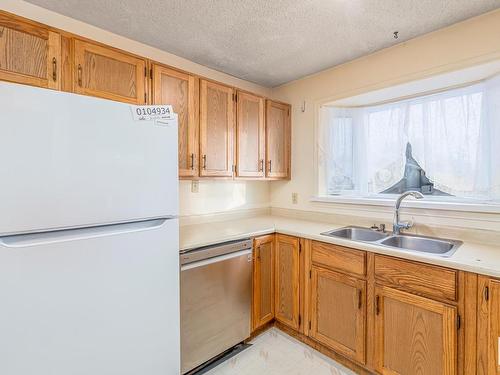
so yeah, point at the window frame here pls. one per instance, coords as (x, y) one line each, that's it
(470, 205)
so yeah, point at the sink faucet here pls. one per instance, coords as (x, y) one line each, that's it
(398, 225)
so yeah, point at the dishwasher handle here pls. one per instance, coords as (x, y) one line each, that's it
(221, 258)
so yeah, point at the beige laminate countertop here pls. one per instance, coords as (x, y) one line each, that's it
(473, 257)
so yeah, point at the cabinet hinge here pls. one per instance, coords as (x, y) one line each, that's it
(300, 320)
(486, 293)
(459, 322)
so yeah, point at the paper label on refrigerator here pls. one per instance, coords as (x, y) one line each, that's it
(163, 122)
(152, 112)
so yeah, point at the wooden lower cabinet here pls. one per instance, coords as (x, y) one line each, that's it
(263, 281)
(488, 343)
(413, 334)
(376, 313)
(287, 267)
(338, 312)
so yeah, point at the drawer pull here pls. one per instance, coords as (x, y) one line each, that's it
(204, 161)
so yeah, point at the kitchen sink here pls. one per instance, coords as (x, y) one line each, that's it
(405, 242)
(422, 244)
(357, 234)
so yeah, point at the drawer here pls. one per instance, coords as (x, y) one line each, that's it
(419, 278)
(343, 259)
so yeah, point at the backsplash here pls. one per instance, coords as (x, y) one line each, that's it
(222, 196)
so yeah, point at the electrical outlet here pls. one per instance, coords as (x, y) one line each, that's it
(295, 198)
(195, 186)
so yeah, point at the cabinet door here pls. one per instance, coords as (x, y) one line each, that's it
(216, 129)
(250, 136)
(107, 73)
(263, 281)
(287, 280)
(277, 140)
(413, 334)
(488, 360)
(181, 90)
(338, 312)
(29, 53)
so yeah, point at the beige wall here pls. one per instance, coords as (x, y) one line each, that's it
(471, 42)
(213, 196)
(222, 196)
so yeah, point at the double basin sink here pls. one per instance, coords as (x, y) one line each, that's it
(405, 242)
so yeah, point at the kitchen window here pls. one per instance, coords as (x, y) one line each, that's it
(446, 145)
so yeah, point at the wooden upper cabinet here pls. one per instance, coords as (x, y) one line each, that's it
(29, 53)
(216, 129)
(250, 135)
(287, 280)
(278, 140)
(263, 281)
(181, 90)
(108, 73)
(413, 334)
(488, 350)
(338, 312)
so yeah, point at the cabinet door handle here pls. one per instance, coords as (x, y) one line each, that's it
(360, 298)
(192, 161)
(261, 165)
(204, 161)
(79, 75)
(270, 165)
(54, 69)
(377, 305)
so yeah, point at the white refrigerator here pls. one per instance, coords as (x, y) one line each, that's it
(89, 260)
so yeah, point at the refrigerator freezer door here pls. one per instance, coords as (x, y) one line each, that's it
(91, 301)
(68, 160)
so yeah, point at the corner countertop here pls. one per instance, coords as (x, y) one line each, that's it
(471, 256)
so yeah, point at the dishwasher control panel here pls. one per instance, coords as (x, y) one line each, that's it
(211, 251)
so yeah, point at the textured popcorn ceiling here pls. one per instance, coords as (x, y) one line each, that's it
(270, 42)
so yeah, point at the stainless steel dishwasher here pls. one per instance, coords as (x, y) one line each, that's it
(216, 295)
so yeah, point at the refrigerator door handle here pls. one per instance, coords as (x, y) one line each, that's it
(74, 234)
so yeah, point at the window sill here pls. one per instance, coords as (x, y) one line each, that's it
(411, 203)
